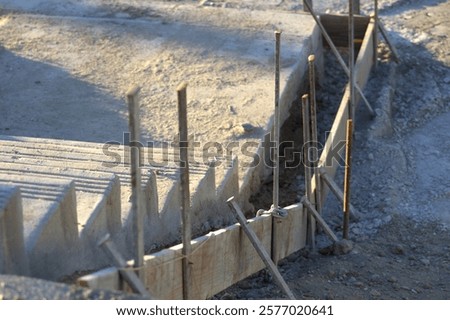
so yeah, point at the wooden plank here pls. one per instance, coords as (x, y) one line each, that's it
(335, 144)
(219, 259)
(364, 61)
(337, 28)
(290, 231)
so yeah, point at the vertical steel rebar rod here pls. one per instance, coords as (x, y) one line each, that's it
(351, 59)
(375, 34)
(314, 136)
(135, 150)
(307, 165)
(338, 56)
(276, 126)
(184, 189)
(348, 163)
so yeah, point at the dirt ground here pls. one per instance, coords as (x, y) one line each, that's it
(400, 176)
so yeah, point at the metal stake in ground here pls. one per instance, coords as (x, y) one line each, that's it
(276, 126)
(184, 189)
(351, 59)
(348, 160)
(307, 165)
(375, 34)
(239, 215)
(135, 150)
(314, 135)
(130, 277)
(338, 56)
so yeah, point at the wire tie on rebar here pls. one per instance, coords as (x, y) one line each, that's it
(278, 212)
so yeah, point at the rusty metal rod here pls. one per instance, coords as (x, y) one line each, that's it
(135, 152)
(338, 56)
(348, 160)
(259, 247)
(375, 34)
(276, 126)
(307, 166)
(129, 276)
(351, 59)
(184, 190)
(314, 136)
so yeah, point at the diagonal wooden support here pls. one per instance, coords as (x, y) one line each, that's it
(259, 247)
(337, 191)
(338, 56)
(130, 277)
(312, 211)
(388, 41)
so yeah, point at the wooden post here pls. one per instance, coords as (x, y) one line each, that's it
(184, 189)
(312, 211)
(307, 165)
(259, 247)
(348, 159)
(138, 215)
(314, 136)
(338, 56)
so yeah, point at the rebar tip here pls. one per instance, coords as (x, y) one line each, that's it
(182, 86)
(231, 199)
(133, 91)
(311, 58)
(277, 34)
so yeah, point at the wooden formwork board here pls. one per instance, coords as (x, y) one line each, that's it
(289, 234)
(335, 144)
(219, 259)
(337, 28)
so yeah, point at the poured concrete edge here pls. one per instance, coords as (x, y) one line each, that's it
(13, 258)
